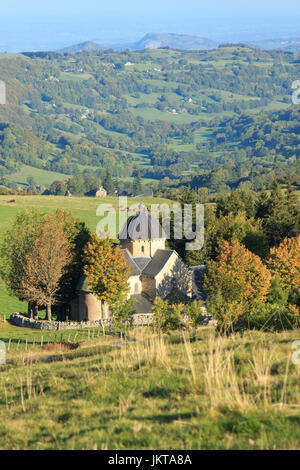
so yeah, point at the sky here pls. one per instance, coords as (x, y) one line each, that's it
(36, 24)
(154, 7)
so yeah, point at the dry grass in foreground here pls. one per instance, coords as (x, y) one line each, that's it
(240, 392)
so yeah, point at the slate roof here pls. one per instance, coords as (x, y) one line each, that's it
(142, 226)
(134, 268)
(142, 261)
(158, 261)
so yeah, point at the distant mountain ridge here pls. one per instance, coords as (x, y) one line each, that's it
(292, 45)
(83, 46)
(149, 41)
(183, 42)
(174, 41)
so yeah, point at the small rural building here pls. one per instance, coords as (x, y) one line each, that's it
(101, 192)
(154, 270)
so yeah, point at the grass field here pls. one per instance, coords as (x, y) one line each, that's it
(152, 393)
(41, 176)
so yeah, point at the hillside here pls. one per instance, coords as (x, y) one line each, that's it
(83, 46)
(182, 42)
(158, 111)
(82, 390)
(280, 44)
(149, 41)
(173, 41)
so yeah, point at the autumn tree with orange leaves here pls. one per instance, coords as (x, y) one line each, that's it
(45, 264)
(235, 283)
(284, 262)
(107, 270)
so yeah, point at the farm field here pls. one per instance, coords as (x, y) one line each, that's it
(153, 392)
(42, 176)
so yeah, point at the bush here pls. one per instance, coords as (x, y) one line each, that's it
(269, 317)
(166, 317)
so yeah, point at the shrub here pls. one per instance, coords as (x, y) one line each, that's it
(269, 317)
(193, 313)
(166, 317)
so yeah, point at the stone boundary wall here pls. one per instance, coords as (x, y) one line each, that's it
(21, 320)
(139, 319)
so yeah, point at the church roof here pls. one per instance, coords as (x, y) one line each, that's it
(142, 261)
(142, 226)
(134, 268)
(158, 261)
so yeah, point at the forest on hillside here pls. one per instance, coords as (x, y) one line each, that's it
(221, 118)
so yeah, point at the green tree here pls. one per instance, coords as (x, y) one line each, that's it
(76, 185)
(279, 212)
(31, 181)
(165, 316)
(108, 183)
(58, 188)
(193, 311)
(137, 184)
(122, 315)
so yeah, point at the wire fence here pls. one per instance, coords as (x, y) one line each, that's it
(42, 338)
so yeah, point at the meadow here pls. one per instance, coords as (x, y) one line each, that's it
(153, 392)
